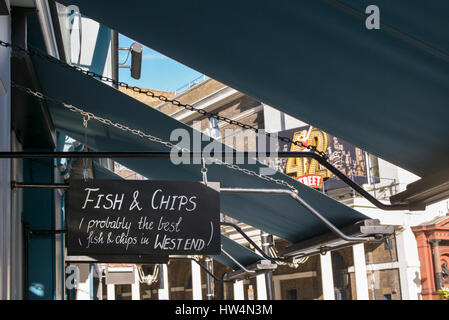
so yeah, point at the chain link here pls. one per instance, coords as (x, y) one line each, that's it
(162, 98)
(90, 116)
(255, 174)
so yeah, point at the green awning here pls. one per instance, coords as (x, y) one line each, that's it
(277, 214)
(103, 173)
(240, 253)
(385, 90)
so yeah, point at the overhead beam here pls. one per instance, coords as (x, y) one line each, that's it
(257, 268)
(428, 190)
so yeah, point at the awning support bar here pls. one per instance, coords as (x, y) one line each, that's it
(236, 262)
(239, 230)
(21, 185)
(303, 203)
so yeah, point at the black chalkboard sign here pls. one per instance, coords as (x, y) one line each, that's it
(142, 217)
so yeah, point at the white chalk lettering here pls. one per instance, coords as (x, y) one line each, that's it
(144, 224)
(160, 201)
(114, 203)
(169, 226)
(87, 196)
(118, 223)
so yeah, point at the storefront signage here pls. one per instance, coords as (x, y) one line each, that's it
(312, 180)
(308, 171)
(145, 217)
(342, 155)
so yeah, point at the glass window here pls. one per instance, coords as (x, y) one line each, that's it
(292, 294)
(384, 284)
(381, 252)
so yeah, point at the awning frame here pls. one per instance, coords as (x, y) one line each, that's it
(370, 228)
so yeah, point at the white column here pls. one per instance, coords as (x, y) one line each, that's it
(239, 293)
(164, 292)
(327, 277)
(409, 265)
(277, 288)
(83, 285)
(261, 287)
(197, 289)
(5, 164)
(111, 291)
(361, 281)
(135, 287)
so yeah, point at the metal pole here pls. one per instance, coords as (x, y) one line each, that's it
(209, 280)
(164, 289)
(201, 266)
(251, 242)
(155, 154)
(26, 231)
(20, 185)
(267, 242)
(236, 262)
(114, 56)
(303, 203)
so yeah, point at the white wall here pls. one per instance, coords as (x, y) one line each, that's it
(275, 121)
(5, 145)
(389, 170)
(83, 287)
(327, 276)
(409, 264)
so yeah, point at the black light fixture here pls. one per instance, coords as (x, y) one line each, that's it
(136, 59)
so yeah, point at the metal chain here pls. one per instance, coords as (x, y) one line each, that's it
(85, 170)
(162, 98)
(89, 115)
(255, 174)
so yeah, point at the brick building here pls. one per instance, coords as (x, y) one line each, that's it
(433, 246)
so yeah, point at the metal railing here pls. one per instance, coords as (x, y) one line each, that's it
(190, 84)
(379, 188)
